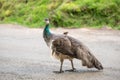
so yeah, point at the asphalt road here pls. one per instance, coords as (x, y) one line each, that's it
(25, 56)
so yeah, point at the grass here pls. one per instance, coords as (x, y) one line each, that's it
(62, 13)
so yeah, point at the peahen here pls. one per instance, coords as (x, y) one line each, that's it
(66, 47)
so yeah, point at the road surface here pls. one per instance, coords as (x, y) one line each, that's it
(25, 56)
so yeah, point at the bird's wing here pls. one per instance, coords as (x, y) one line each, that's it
(84, 54)
(62, 45)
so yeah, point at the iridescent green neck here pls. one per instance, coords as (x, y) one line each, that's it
(47, 31)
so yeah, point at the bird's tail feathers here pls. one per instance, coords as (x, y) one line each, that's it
(88, 59)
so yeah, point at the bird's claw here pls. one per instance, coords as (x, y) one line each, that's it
(71, 70)
(57, 72)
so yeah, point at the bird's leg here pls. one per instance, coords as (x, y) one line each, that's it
(72, 65)
(61, 71)
(61, 66)
(73, 69)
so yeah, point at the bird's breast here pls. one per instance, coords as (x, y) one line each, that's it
(60, 56)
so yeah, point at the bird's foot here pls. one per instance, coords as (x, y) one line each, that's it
(71, 70)
(58, 72)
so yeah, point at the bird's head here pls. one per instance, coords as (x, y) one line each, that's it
(47, 21)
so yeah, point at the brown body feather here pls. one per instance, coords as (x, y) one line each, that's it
(71, 48)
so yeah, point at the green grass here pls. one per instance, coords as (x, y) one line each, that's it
(62, 13)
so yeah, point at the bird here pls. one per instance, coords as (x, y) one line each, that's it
(64, 47)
